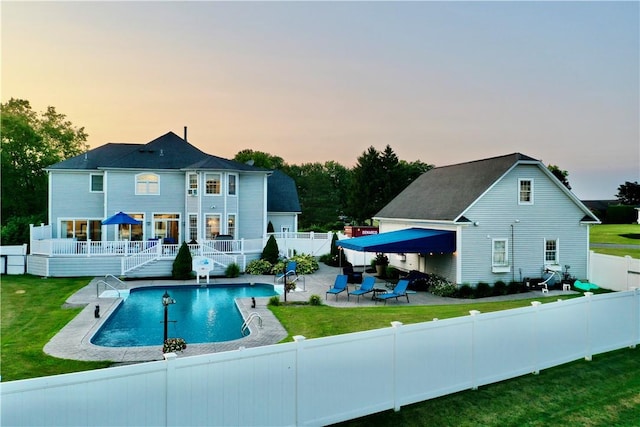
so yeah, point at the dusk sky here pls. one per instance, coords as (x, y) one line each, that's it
(440, 82)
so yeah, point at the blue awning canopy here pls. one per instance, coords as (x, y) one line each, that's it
(411, 240)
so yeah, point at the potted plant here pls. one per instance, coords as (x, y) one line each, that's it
(381, 264)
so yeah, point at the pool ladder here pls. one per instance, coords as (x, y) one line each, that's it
(247, 322)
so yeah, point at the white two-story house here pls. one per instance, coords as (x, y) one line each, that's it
(178, 194)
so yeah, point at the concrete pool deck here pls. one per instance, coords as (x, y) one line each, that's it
(73, 341)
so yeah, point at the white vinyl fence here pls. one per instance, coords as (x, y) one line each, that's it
(614, 272)
(327, 380)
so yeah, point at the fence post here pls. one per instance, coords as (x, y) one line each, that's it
(170, 411)
(536, 329)
(396, 327)
(588, 356)
(636, 316)
(474, 314)
(299, 340)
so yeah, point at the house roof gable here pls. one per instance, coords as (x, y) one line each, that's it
(168, 151)
(444, 193)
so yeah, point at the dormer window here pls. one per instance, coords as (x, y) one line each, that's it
(147, 184)
(525, 191)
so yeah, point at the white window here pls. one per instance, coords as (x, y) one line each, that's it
(231, 225)
(500, 256)
(212, 183)
(525, 191)
(192, 184)
(147, 183)
(233, 179)
(97, 183)
(81, 229)
(193, 227)
(167, 226)
(551, 252)
(213, 226)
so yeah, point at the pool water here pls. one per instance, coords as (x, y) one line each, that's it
(199, 315)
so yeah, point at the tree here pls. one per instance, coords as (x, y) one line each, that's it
(29, 143)
(629, 193)
(259, 159)
(562, 175)
(364, 197)
(182, 265)
(271, 252)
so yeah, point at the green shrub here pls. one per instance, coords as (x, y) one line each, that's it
(441, 287)
(333, 258)
(182, 265)
(232, 270)
(465, 291)
(392, 273)
(306, 264)
(270, 227)
(274, 300)
(513, 287)
(271, 252)
(500, 288)
(16, 231)
(483, 290)
(259, 266)
(315, 300)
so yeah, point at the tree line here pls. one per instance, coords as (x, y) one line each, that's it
(330, 194)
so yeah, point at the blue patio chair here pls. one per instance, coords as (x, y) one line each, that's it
(290, 273)
(399, 291)
(340, 285)
(365, 288)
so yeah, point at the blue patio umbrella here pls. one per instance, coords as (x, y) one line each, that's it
(121, 218)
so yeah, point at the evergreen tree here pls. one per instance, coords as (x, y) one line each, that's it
(182, 265)
(271, 252)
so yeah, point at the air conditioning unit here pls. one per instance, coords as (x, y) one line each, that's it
(193, 191)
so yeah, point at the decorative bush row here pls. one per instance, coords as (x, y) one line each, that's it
(306, 264)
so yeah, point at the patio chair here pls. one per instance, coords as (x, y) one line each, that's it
(399, 291)
(352, 276)
(365, 288)
(290, 273)
(340, 285)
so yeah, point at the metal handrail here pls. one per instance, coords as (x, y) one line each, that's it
(247, 322)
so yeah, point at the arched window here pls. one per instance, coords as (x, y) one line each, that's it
(147, 183)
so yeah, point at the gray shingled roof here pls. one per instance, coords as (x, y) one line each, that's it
(443, 193)
(282, 195)
(166, 152)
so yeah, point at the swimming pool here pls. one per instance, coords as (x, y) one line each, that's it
(199, 315)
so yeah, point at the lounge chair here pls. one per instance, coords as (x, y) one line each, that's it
(290, 273)
(353, 276)
(340, 285)
(399, 291)
(365, 288)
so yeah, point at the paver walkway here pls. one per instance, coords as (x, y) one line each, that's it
(73, 341)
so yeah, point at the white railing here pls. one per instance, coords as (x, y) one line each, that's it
(374, 370)
(146, 256)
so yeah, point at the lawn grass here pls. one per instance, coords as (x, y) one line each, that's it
(31, 314)
(603, 392)
(323, 321)
(621, 234)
